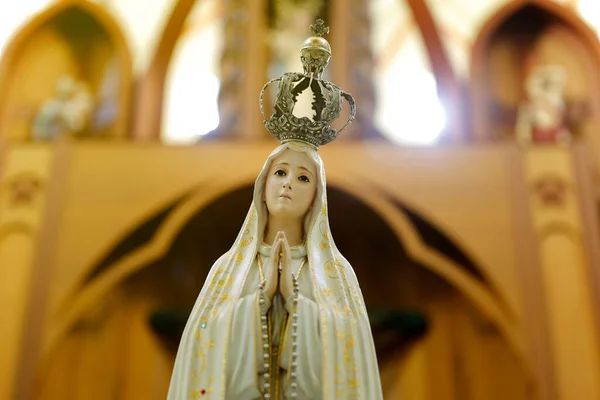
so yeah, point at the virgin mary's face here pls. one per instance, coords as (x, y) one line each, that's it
(291, 184)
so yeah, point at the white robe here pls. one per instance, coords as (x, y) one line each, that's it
(245, 365)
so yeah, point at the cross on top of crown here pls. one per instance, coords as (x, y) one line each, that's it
(319, 28)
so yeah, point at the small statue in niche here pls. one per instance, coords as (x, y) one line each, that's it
(543, 117)
(68, 112)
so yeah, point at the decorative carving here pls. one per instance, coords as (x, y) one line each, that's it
(232, 71)
(23, 189)
(362, 64)
(551, 190)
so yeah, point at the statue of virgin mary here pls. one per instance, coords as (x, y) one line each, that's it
(281, 314)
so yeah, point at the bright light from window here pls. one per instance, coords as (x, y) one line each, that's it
(192, 89)
(192, 109)
(15, 16)
(409, 111)
(590, 11)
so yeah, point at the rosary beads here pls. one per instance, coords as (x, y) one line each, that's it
(266, 342)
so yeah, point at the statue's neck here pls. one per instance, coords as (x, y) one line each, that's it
(292, 228)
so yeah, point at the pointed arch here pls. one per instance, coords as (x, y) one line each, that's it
(482, 296)
(149, 105)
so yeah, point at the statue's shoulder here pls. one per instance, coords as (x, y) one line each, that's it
(346, 267)
(224, 258)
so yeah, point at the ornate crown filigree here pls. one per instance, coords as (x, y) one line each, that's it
(327, 97)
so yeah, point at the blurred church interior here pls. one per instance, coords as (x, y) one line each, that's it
(466, 195)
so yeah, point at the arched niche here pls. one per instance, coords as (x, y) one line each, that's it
(519, 37)
(72, 38)
(138, 298)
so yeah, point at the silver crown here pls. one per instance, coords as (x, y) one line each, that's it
(327, 97)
